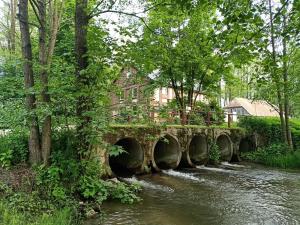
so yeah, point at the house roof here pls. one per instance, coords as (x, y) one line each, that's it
(253, 107)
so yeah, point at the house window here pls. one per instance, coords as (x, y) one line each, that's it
(164, 91)
(134, 93)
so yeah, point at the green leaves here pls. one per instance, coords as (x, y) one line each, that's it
(214, 153)
(6, 158)
(116, 150)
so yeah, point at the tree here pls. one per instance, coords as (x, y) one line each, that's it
(192, 49)
(39, 143)
(85, 13)
(34, 142)
(13, 6)
(284, 35)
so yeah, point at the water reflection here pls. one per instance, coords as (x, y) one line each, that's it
(208, 196)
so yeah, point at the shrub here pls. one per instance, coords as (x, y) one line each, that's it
(61, 184)
(276, 155)
(13, 148)
(217, 113)
(269, 127)
(11, 216)
(6, 158)
(92, 187)
(214, 153)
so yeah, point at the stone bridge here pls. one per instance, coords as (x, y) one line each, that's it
(158, 148)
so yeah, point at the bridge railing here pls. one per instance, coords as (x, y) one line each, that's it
(171, 117)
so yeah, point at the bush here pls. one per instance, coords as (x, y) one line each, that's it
(214, 154)
(276, 155)
(63, 184)
(11, 216)
(92, 187)
(269, 127)
(13, 149)
(217, 113)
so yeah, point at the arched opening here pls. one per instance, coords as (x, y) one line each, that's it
(198, 150)
(166, 153)
(246, 145)
(130, 161)
(225, 147)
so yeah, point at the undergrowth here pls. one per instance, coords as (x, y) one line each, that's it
(275, 155)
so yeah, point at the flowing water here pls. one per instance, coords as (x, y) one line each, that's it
(234, 194)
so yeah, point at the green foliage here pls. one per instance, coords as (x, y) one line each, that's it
(214, 153)
(276, 155)
(116, 150)
(11, 216)
(49, 183)
(269, 127)
(202, 109)
(126, 193)
(13, 148)
(12, 108)
(92, 187)
(6, 158)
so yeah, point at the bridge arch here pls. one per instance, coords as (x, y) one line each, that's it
(247, 144)
(129, 162)
(197, 150)
(166, 153)
(224, 143)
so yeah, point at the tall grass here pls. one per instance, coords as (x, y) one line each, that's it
(12, 217)
(275, 155)
(289, 160)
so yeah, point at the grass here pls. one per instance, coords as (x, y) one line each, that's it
(12, 217)
(287, 161)
(275, 155)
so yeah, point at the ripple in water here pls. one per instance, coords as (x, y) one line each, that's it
(182, 175)
(149, 185)
(232, 165)
(214, 169)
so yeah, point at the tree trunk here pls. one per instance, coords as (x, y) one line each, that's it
(83, 81)
(34, 142)
(13, 14)
(285, 89)
(183, 117)
(45, 97)
(276, 78)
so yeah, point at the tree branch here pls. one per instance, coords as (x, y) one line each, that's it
(129, 14)
(35, 8)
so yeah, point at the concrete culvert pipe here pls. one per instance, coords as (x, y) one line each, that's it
(198, 150)
(129, 162)
(246, 145)
(166, 154)
(225, 147)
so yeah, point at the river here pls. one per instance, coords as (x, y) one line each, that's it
(235, 194)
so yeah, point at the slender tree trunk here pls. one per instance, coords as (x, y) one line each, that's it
(286, 91)
(84, 101)
(13, 14)
(45, 97)
(276, 78)
(34, 142)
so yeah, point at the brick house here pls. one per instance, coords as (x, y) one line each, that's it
(133, 92)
